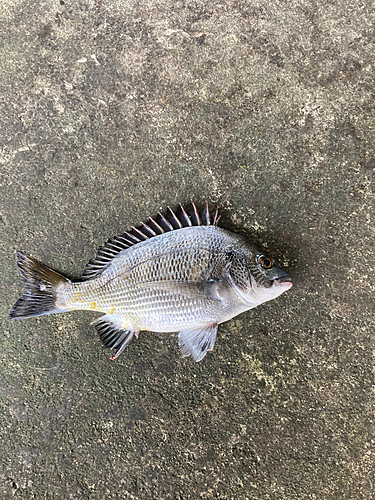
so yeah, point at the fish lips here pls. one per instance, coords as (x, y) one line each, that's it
(279, 277)
(284, 281)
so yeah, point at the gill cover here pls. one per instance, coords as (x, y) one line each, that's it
(238, 275)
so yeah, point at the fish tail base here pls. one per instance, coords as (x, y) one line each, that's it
(41, 285)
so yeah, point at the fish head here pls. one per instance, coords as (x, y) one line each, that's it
(256, 277)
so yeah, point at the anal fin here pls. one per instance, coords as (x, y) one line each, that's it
(197, 341)
(111, 333)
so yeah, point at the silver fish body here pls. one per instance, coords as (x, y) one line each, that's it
(185, 279)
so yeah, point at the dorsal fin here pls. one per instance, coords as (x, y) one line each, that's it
(172, 220)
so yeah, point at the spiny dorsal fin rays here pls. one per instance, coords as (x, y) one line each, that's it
(147, 229)
(116, 245)
(176, 223)
(131, 237)
(161, 224)
(206, 215)
(216, 217)
(119, 240)
(183, 216)
(106, 252)
(195, 219)
(158, 229)
(140, 235)
(166, 224)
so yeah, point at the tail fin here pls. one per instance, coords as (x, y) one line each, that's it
(40, 282)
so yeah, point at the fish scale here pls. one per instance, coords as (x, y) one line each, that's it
(176, 257)
(180, 272)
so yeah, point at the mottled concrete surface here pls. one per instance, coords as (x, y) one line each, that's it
(111, 110)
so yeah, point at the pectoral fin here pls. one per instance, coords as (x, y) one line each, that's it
(197, 342)
(111, 333)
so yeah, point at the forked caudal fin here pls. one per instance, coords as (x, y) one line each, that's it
(40, 282)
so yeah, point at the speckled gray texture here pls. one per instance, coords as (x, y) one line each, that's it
(109, 111)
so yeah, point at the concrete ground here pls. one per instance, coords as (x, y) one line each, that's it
(110, 111)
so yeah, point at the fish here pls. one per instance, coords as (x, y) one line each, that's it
(178, 272)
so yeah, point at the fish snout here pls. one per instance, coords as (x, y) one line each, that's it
(285, 281)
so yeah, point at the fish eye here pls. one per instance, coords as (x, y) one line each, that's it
(265, 262)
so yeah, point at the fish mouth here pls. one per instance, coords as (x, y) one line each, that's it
(285, 281)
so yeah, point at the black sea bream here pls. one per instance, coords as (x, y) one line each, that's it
(177, 273)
